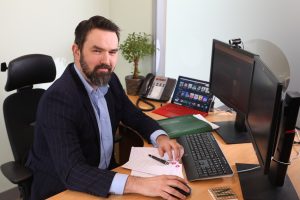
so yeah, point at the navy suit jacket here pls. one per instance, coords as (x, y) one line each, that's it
(66, 153)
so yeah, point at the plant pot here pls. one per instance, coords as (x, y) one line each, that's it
(133, 85)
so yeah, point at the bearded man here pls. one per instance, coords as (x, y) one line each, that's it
(77, 119)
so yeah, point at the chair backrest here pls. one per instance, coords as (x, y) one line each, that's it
(20, 108)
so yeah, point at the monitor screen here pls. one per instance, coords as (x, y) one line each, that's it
(231, 74)
(230, 81)
(264, 113)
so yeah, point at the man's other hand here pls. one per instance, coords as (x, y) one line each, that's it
(169, 146)
(158, 186)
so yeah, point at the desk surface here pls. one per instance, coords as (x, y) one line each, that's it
(235, 153)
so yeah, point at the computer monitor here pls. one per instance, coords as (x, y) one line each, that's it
(264, 121)
(265, 109)
(230, 81)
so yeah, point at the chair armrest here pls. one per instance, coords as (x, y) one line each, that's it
(15, 172)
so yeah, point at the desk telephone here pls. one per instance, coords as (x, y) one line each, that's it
(156, 88)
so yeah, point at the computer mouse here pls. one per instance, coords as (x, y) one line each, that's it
(182, 191)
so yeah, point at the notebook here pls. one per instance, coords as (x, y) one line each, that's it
(191, 96)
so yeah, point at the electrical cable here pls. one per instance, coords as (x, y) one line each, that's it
(249, 169)
(280, 162)
(152, 107)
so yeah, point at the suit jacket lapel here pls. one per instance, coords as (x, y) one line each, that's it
(85, 99)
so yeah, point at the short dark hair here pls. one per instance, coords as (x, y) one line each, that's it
(95, 22)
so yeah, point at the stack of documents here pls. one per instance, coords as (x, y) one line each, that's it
(142, 165)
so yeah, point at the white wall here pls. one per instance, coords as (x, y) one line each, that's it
(132, 16)
(47, 27)
(34, 26)
(189, 34)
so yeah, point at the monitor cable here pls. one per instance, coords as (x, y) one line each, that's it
(280, 162)
(297, 152)
(249, 169)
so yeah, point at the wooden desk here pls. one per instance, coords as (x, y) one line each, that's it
(236, 153)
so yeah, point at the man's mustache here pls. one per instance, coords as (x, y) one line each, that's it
(103, 66)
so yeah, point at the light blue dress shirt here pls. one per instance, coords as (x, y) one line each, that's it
(106, 138)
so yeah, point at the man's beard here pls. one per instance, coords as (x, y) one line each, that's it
(96, 78)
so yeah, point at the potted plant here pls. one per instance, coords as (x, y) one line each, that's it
(134, 48)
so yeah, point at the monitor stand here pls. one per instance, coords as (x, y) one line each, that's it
(230, 135)
(256, 185)
(234, 132)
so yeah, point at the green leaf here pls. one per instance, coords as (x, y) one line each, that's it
(136, 46)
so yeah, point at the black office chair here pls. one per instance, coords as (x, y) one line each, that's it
(19, 111)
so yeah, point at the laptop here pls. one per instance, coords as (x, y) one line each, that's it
(191, 96)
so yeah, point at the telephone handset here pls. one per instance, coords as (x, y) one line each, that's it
(157, 88)
(146, 85)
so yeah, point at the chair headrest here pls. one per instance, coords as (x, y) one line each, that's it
(28, 70)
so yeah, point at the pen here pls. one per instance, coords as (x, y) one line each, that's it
(159, 159)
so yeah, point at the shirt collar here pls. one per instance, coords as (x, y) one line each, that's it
(102, 90)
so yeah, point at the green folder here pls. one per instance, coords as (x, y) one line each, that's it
(184, 125)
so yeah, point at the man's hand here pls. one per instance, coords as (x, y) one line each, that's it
(158, 186)
(165, 144)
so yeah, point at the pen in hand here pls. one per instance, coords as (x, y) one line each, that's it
(158, 159)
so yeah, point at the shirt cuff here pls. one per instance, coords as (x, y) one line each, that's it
(154, 136)
(118, 184)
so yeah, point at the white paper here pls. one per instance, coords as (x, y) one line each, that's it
(141, 174)
(140, 162)
(200, 117)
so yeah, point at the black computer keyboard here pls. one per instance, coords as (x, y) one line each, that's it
(203, 158)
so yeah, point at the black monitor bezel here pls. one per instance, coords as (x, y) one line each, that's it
(265, 161)
(233, 132)
(242, 52)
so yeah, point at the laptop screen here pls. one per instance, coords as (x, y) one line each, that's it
(192, 93)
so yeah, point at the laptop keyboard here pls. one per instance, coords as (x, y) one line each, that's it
(203, 158)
